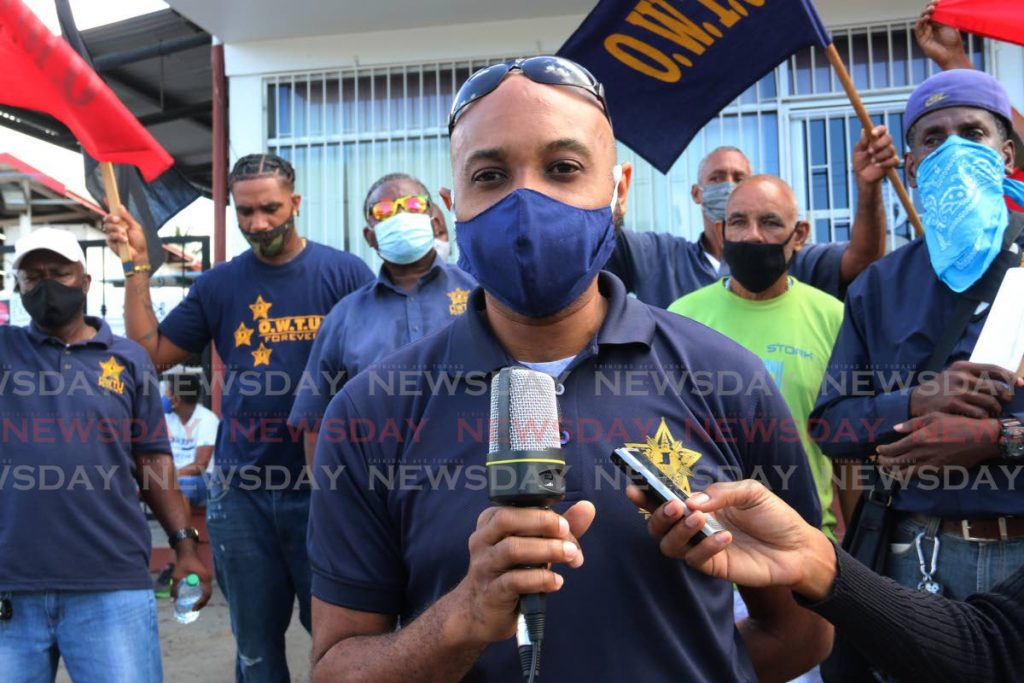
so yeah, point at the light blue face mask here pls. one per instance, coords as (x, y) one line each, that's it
(405, 237)
(714, 198)
(961, 185)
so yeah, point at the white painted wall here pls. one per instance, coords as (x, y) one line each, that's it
(247, 63)
(459, 41)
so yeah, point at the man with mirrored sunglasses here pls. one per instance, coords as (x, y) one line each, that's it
(416, 575)
(416, 293)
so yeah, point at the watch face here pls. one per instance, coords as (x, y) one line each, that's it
(1013, 439)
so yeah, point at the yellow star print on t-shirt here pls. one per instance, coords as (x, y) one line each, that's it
(458, 299)
(243, 335)
(111, 377)
(261, 356)
(260, 309)
(668, 454)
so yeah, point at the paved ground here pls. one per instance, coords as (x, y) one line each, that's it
(204, 652)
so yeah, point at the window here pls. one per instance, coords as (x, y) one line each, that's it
(344, 129)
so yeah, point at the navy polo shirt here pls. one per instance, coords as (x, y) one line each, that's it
(400, 481)
(72, 421)
(264, 320)
(659, 268)
(370, 323)
(896, 312)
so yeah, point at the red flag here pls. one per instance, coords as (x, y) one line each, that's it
(40, 71)
(1017, 174)
(999, 19)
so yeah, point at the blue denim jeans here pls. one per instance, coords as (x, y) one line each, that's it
(259, 549)
(963, 567)
(104, 637)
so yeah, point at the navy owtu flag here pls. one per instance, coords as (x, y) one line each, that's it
(670, 66)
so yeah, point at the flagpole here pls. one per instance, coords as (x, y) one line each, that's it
(865, 121)
(114, 206)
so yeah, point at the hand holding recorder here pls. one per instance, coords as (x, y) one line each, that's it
(765, 542)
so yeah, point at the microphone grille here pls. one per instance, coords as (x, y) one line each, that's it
(530, 421)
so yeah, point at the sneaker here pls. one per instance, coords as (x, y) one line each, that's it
(162, 585)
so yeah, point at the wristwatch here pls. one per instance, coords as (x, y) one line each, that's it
(182, 534)
(1011, 438)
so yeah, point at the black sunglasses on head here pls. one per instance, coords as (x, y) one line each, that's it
(549, 70)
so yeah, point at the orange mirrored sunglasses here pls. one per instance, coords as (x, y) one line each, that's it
(413, 203)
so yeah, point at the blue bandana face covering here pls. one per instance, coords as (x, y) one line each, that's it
(535, 254)
(961, 185)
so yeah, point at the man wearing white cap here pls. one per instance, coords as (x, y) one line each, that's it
(82, 434)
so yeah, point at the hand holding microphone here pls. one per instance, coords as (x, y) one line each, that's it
(505, 540)
(514, 545)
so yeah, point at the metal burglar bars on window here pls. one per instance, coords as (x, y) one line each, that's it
(885, 63)
(342, 129)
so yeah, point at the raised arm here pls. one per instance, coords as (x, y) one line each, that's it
(945, 46)
(872, 157)
(140, 320)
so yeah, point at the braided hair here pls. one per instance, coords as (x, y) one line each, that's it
(253, 166)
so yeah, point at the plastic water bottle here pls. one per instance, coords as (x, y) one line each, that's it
(189, 593)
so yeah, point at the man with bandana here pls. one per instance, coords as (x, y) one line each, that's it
(660, 268)
(949, 427)
(788, 324)
(83, 439)
(263, 310)
(416, 575)
(416, 293)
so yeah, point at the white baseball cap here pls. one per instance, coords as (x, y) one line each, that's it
(58, 241)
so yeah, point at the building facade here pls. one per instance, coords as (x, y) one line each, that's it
(347, 108)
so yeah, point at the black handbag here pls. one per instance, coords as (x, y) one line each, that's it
(867, 540)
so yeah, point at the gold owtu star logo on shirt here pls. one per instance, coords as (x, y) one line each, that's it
(260, 308)
(668, 454)
(111, 377)
(243, 335)
(261, 356)
(458, 299)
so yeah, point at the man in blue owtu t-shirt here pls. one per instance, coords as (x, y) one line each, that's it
(263, 310)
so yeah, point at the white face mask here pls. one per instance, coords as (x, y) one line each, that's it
(443, 249)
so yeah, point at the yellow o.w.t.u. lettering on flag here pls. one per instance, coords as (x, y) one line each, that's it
(670, 66)
(661, 18)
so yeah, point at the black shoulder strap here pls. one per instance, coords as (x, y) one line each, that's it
(984, 290)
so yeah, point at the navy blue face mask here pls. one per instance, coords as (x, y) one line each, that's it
(535, 254)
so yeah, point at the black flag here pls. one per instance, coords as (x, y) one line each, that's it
(152, 204)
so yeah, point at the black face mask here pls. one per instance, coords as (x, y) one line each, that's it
(52, 305)
(756, 266)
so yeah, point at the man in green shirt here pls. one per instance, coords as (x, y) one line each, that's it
(789, 325)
